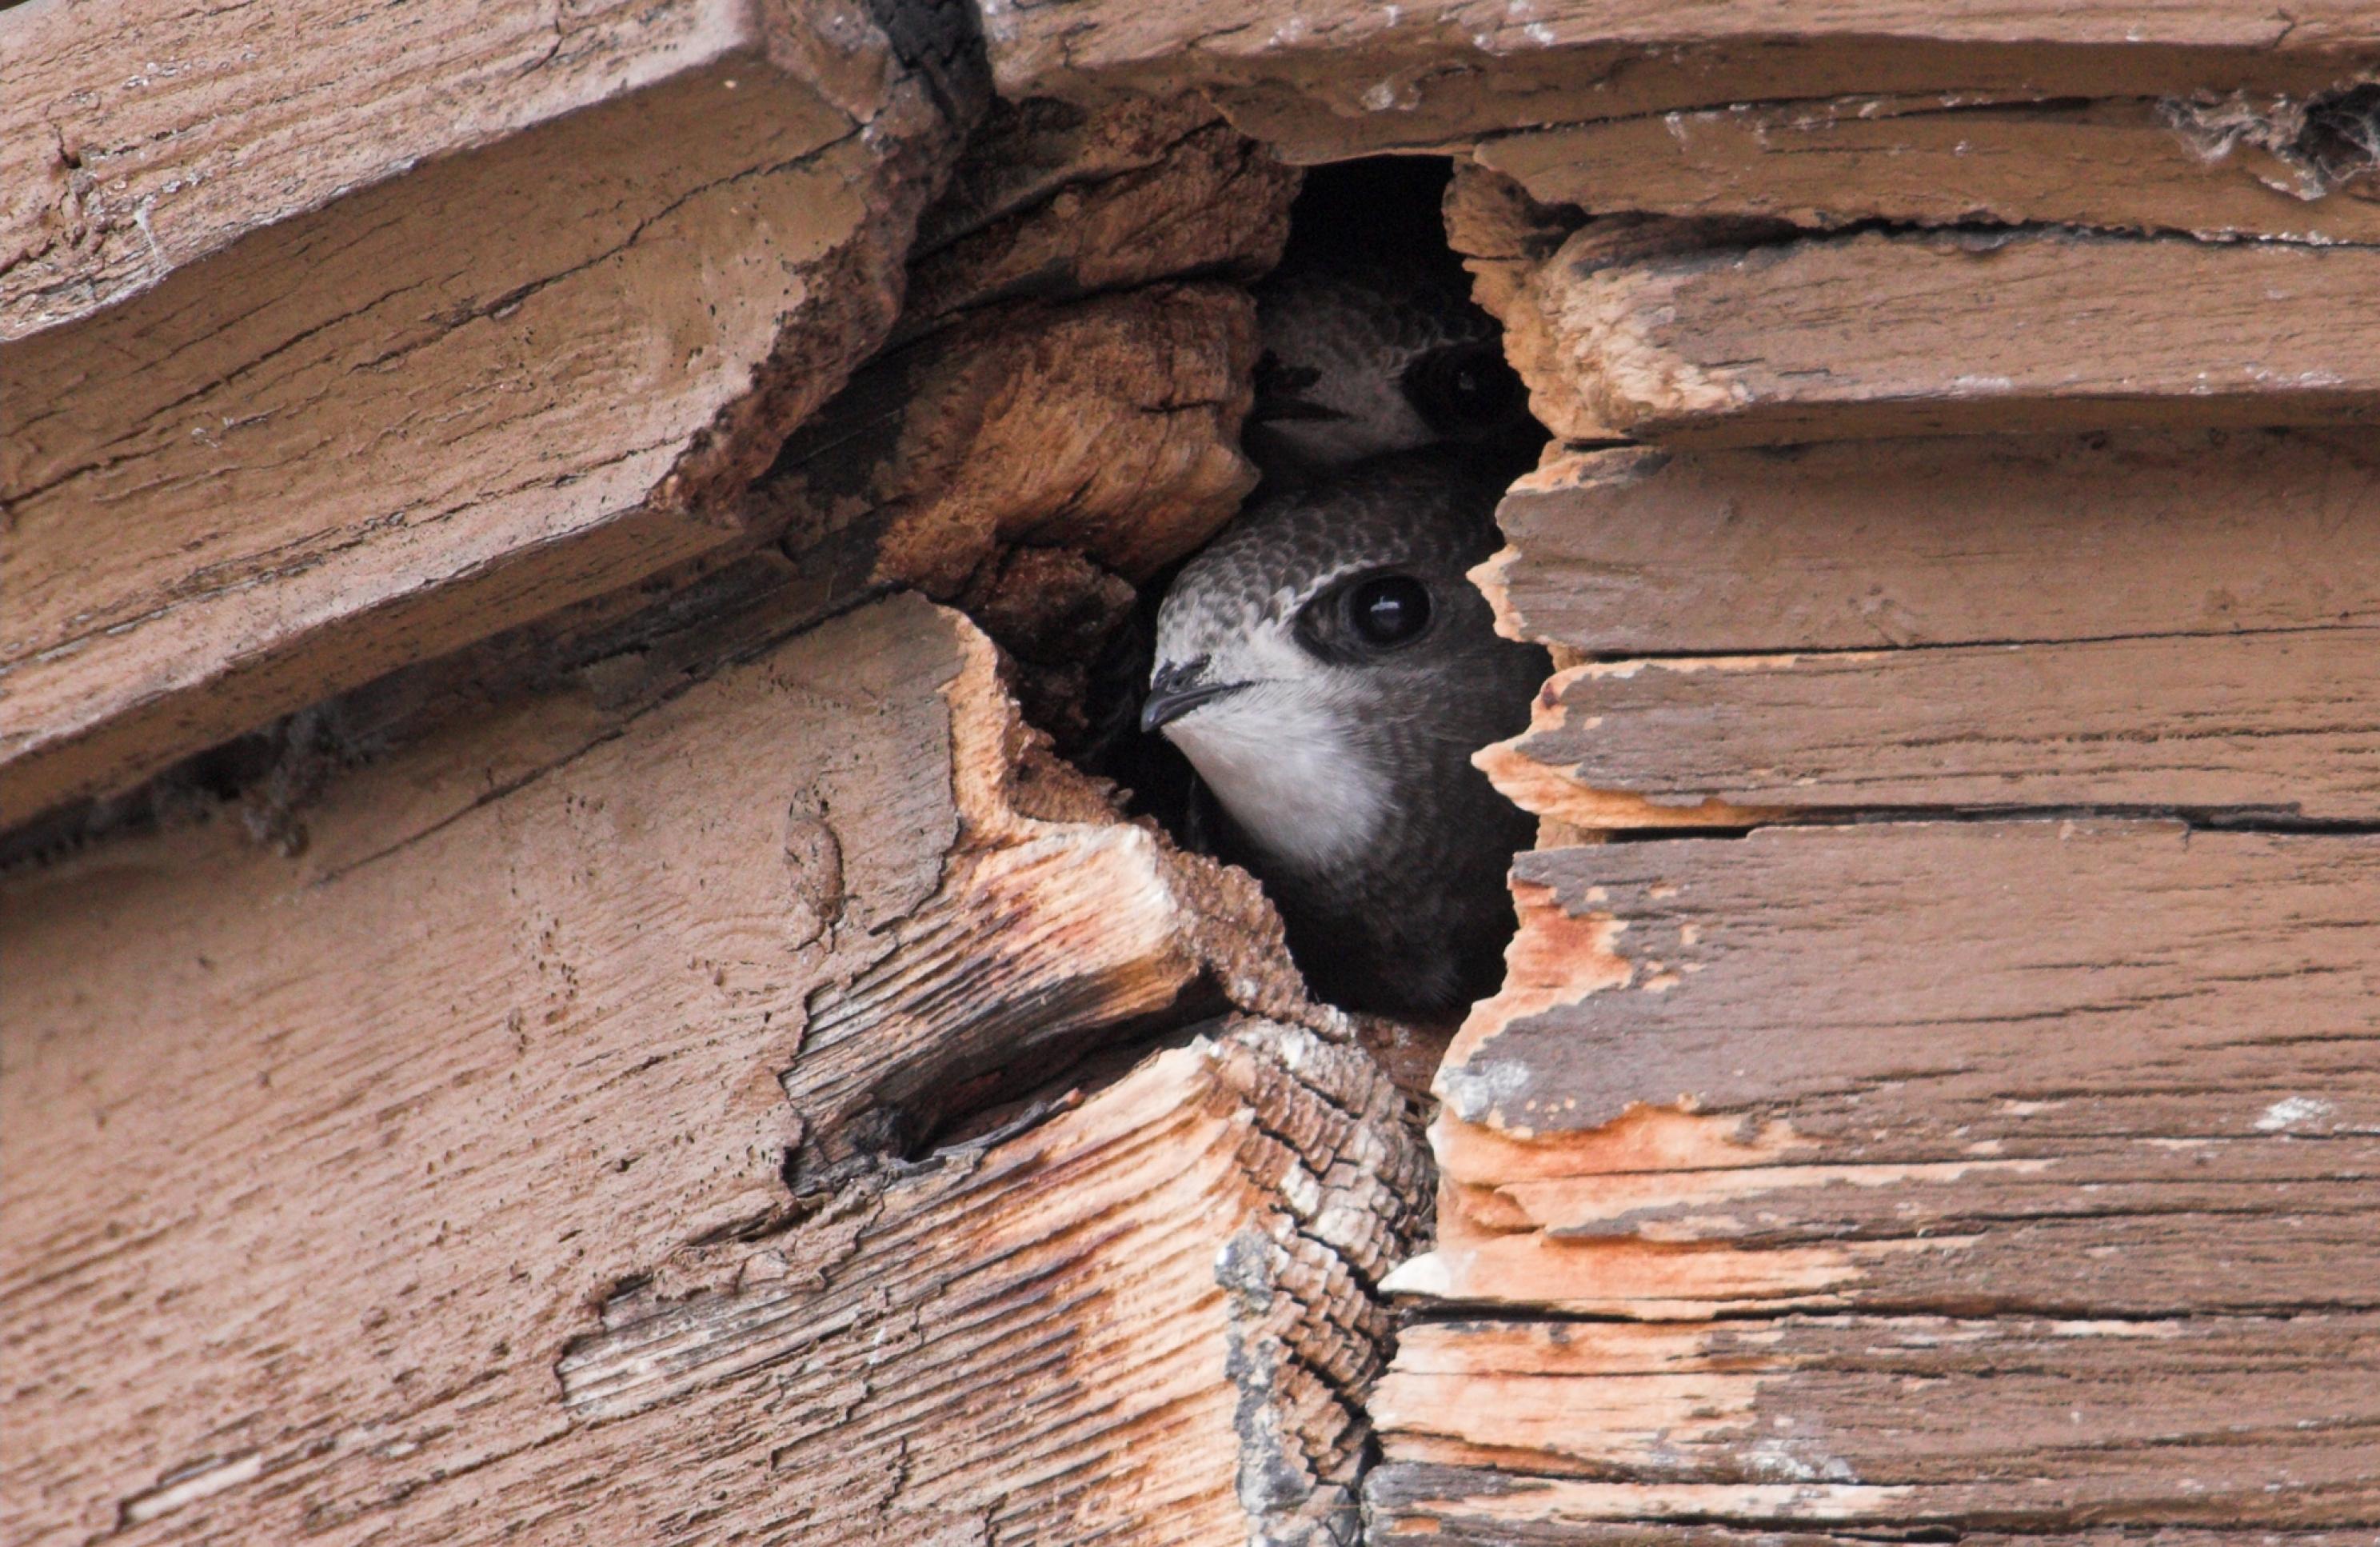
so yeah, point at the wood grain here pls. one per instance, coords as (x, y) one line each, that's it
(2111, 165)
(523, 373)
(2067, 1068)
(2265, 724)
(1942, 1174)
(1922, 1415)
(1345, 78)
(1851, 547)
(1855, 337)
(131, 147)
(438, 1176)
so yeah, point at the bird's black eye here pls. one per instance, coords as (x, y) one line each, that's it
(1388, 610)
(1464, 389)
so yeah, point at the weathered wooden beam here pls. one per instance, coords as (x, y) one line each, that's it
(1997, 1047)
(1345, 78)
(441, 1173)
(1918, 1417)
(2265, 723)
(139, 137)
(1971, 539)
(1855, 337)
(370, 429)
(2127, 164)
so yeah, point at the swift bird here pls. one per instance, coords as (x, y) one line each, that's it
(1328, 669)
(1383, 355)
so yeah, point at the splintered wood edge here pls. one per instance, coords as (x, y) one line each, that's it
(1558, 794)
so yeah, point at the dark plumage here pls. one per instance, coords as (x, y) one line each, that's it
(1384, 355)
(1328, 669)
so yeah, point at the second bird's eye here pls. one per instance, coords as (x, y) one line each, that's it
(1387, 609)
(1464, 389)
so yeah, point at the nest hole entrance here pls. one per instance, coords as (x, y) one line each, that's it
(1368, 240)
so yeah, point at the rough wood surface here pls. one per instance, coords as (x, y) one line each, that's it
(138, 136)
(1910, 1418)
(2075, 1118)
(1854, 337)
(1963, 541)
(1109, 426)
(2272, 724)
(2129, 164)
(521, 374)
(1343, 78)
(1052, 201)
(1995, 1037)
(438, 1176)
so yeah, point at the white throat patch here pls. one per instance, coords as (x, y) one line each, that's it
(1281, 756)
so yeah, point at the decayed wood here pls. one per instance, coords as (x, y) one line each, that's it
(1347, 79)
(1109, 426)
(1962, 540)
(2127, 164)
(1870, 335)
(514, 377)
(2076, 1118)
(1437, 1507)
(1054, 202)
(438, 1175)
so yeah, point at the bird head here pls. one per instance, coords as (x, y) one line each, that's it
(1381, 359)
(1326, 664)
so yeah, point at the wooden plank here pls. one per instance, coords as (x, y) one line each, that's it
(138, 137)
(1901, 1421)
(491, 1094)
(1871, 335)
(2266, 725)
(1347, 79)
(1446, 1506)
(2042, 1067)
(1962, 540)
(520, 376)
(2129, 164)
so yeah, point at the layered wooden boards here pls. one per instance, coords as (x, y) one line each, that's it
(626, 255)
(439, 1177)
(2077, 1116)
(1982, 1130)
(1904, 626)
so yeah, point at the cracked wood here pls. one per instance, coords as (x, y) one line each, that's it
(1850, 545)
(521, 374)
(1343, 78)
(2028, 1178)
(1870, 335)
(316, 1190)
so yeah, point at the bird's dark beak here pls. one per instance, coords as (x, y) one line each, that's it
(1175, 689)
(1279, 408)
